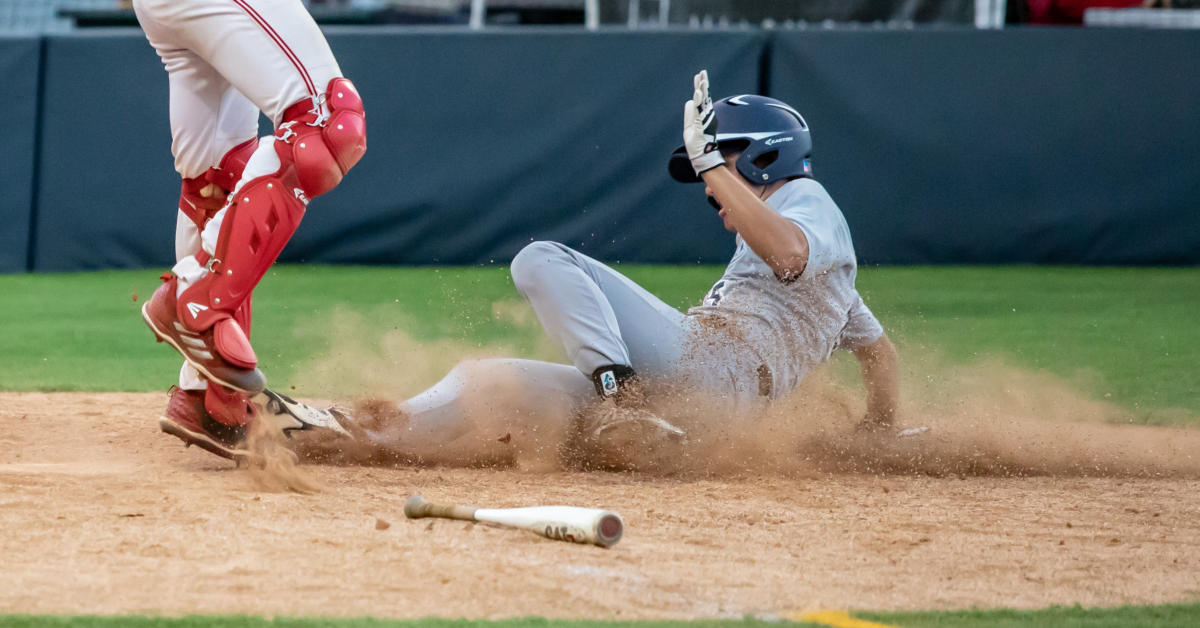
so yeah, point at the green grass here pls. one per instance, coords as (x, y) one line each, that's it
(1163, 616)
(1132, 333)
(83, 331)
(1129, 333)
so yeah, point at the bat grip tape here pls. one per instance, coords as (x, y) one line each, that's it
(418, 508)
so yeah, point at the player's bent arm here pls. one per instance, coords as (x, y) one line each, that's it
(880, 372)
(775, 239)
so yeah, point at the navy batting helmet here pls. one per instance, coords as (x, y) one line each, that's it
(774, 136)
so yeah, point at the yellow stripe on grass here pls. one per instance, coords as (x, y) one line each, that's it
(837, 619)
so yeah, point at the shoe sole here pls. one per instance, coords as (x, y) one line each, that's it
(205, 442)
(167, 338)
(308, 417)
(670, 432)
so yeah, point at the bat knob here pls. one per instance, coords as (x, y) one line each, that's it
(416, 507)
(609, 529)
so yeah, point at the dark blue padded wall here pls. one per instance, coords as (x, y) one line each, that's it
(479, 143)
(108, 192)
(1077, 146)
(941, 146)
(19, 59)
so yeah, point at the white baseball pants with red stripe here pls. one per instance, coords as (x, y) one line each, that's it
(227, 60)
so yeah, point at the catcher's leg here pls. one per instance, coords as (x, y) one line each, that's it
(307, 157)
(213, 128)
(274, 54)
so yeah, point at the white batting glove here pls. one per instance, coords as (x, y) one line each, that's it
(700, 128)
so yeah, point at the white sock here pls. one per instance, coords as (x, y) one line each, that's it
(190, 379)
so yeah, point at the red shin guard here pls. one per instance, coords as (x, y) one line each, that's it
(242, 316)
(315, 150)
(255, 229)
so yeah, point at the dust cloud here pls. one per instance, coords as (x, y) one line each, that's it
(361, 362)
(272, 467)
(985, 419)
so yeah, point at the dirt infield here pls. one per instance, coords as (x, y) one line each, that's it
(103, 514)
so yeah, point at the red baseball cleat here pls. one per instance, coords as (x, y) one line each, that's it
(187, 420)
(221, 352)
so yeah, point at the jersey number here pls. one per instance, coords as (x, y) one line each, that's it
(714, 296)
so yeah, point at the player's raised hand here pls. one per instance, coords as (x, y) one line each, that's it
(700, 128)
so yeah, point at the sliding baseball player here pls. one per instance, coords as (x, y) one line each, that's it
(242, 197)
(786, 301)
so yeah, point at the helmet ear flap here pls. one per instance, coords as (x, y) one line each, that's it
(764, 161)
(779, 156)
(747, 167)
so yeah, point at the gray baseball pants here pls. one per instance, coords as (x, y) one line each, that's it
(598, 317)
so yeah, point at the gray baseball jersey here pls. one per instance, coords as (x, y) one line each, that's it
(793, 327)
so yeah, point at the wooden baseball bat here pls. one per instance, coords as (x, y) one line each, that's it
(561, 523)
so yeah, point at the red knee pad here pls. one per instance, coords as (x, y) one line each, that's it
(225, 176)
(196, 207)
(227, 173)
(325, 148)
(346, 131)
